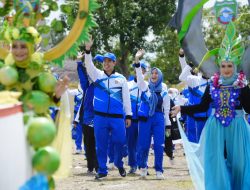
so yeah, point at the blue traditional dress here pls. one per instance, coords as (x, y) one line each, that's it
(222, 159)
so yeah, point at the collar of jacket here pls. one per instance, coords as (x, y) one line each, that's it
(113, 72)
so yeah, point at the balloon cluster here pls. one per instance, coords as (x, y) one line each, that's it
(24, 70)
(37, 85)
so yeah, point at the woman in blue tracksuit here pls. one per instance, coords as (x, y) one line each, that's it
(153, 115)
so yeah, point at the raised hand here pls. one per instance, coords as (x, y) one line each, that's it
(89, 44)
(181, 51)
(61, 86)
(175, 110)
(79, 55)
(139, 53)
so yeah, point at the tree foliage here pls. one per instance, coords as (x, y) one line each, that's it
(123, 26)
(167, 56)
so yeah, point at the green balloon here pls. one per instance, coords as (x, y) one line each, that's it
(47, 82)
(46, 160)
(37, 100)
(41, 132)
(8, 75)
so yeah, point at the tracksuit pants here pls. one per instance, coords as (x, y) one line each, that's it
(153, 126)
(78, 140)
(132, 136)
(194, 128)
(102, 127)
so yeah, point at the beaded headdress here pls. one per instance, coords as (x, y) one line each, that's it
(231, 49)
(21, 25)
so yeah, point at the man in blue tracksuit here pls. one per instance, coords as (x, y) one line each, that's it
(196, 86)
(132, 131)
(85, 117)
(111, 101)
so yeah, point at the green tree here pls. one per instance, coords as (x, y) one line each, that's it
(123, 26)
(167, 56)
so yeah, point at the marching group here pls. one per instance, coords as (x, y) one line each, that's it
(120, 118)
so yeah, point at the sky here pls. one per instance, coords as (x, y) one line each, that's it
(211, 3)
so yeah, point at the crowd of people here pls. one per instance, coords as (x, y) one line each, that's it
(125, 117)
(116, 117)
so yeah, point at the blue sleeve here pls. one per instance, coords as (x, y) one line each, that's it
(82, 74)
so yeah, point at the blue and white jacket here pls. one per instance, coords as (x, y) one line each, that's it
(196, 86)
(135, 97)
(163, 99)
(111, 94)
(77, 100)
(85, 114)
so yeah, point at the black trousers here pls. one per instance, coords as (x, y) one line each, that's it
(89, 142)
(168, 147)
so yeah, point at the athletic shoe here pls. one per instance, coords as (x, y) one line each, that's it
(160, 176)
(100, 176)
(144, 172)
(122, 172)
(132, 170)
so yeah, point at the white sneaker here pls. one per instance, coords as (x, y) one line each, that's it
(160, 176)
(144, 172)
(78, 151)
(111, 166)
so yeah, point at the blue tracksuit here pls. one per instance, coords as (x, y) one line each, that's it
(86, 117)
(132, 131)
(195, 123)
(77, 101)
(111, 153)
(111, 100)
(154, 125)
(88, 89)
(151, 125)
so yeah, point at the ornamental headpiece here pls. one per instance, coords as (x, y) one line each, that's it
(24, 25)
(231, 49)
(21, 25)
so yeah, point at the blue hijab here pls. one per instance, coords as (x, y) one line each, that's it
(154, 87)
